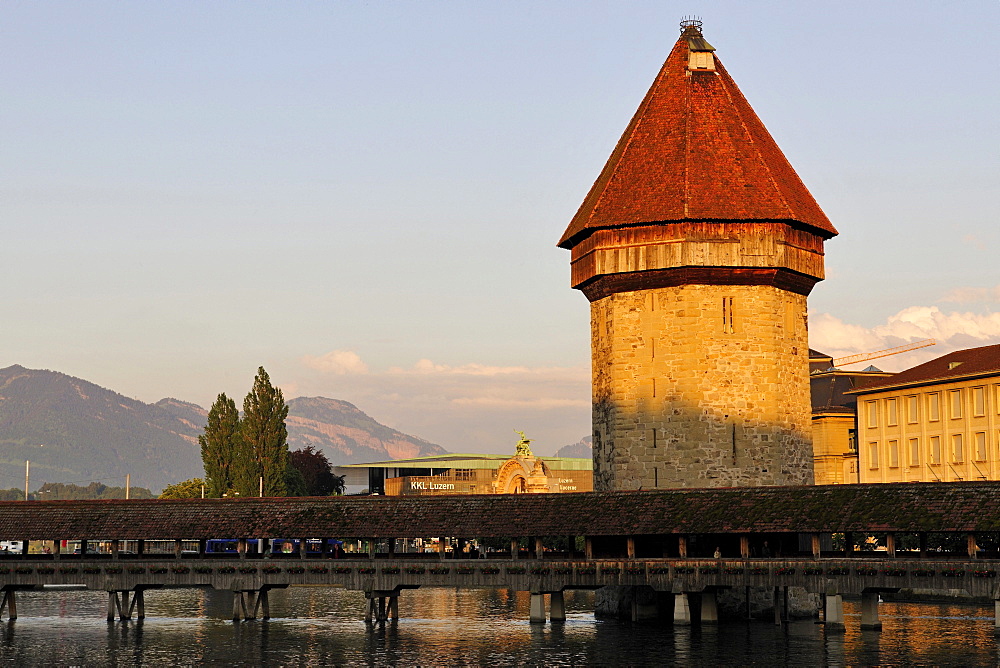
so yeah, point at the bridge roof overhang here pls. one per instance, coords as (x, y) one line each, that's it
(907, 507)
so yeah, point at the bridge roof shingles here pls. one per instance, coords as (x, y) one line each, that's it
(968, 506)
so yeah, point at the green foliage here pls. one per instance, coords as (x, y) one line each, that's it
(187, 489)
(264, 440)
(52, 491)
(57, 491)
(295, 483)
(221, 447)
(317, 473)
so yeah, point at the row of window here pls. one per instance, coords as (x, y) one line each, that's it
(955, 401)
(956, 455)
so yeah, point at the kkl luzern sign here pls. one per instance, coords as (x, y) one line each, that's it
(432, 486)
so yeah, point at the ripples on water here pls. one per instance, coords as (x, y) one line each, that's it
(325, 626)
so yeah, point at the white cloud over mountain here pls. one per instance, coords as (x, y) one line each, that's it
(953, 330)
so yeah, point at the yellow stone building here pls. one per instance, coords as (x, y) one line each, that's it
(834, 418)
(936, 422)
(696, 247)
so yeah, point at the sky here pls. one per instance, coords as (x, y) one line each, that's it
(364, 197)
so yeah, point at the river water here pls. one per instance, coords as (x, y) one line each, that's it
(314, 626)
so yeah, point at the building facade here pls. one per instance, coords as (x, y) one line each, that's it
(834, 418)
(696, 247)
(471, 474)
(936, 422)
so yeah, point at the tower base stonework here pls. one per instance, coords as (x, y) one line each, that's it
(701, 386)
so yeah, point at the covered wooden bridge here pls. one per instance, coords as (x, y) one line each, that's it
(832, 540)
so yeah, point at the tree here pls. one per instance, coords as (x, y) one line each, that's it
(295, 484)
(187, 489)
(264, 440)
(220, 446)
(317, 472)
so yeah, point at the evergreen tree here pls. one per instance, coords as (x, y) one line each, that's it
(221, 447)
(264, 439)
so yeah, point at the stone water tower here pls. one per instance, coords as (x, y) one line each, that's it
(697, 246)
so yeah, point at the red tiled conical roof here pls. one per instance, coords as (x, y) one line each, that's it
(695, 150)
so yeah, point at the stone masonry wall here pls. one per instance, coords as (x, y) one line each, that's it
(701, 386)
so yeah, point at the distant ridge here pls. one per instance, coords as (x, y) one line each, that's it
(582, 448)
(75, 431)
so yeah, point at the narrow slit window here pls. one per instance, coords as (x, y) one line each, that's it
(914, 452)
(958, 451)
(935, 449)
(727, 315)
(894, 454)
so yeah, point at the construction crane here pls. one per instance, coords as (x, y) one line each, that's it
(864, 357)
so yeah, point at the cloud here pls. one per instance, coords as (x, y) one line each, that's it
(967, 294)
(427, 367)
(952, 330)
(337, 362)
(467, 407)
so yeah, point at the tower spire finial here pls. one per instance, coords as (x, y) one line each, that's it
(691, 25)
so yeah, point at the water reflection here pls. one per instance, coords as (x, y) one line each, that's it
(325, 626)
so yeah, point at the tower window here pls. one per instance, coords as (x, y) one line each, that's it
(727, 315)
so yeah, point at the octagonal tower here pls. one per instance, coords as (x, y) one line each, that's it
(697, 246)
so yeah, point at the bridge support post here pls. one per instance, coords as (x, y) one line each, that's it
(588, 548)
(557, 607)
(890, 545)
(996, 617)
(118, 606)
(10, 604)
(869, 611)
(709, 608)
(682, 609)
(833, 612)
(262, 604)
(515, 548)
(539, 548)
(245, 605)
(369, 609)
(394, 607)
(537, 610)
(817, 549)
(138, 604)
(776, 599)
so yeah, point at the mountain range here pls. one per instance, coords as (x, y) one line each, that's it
(73, 431)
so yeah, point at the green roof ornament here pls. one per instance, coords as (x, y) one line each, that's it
(522, 445)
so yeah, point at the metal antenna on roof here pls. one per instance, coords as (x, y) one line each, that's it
(693, 23)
